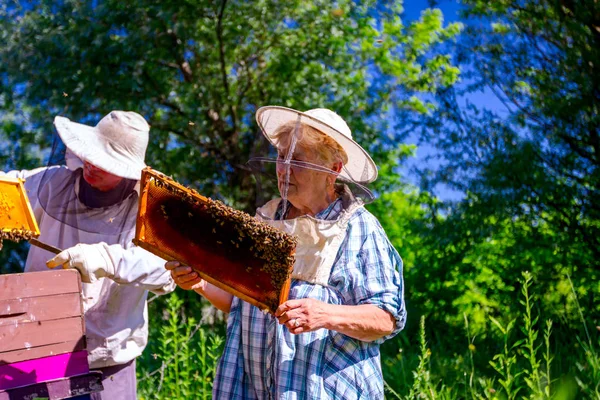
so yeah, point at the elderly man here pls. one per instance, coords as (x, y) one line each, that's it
(88, 207)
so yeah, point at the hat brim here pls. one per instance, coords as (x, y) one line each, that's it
(86, 143)
(360, 167)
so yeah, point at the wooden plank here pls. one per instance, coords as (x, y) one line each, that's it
(44, 308)
(43, 369)
(58, 389)
(36, 284)
(28, 335)
(31, 353)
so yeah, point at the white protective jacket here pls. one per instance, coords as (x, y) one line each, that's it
(116, 312)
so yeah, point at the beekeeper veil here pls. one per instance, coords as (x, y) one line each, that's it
(315, 145)
(82, 157)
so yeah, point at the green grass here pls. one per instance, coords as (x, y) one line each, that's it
(518, 358)
(181, 363)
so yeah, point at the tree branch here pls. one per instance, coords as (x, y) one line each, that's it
(223, 65)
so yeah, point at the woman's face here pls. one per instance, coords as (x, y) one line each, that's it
(306, 186)
(98, 178)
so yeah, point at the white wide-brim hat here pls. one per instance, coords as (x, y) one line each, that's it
(359, 168)
(117, 144)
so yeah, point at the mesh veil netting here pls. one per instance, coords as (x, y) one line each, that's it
(59, 195)
(280, 173)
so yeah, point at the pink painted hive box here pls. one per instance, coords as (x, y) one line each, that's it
(42, 333)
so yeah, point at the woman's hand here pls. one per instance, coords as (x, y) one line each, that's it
(302, 315)
(364, 322)
(185, 277)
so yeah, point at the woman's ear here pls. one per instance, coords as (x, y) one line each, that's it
(337, 167)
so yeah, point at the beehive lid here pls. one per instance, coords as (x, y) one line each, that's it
(17, 221)
(228, 248)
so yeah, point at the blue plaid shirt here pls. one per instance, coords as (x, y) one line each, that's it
(263, 360)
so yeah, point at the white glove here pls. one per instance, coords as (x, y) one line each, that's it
(91, 260)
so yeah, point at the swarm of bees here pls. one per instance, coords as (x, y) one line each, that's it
(15, 235)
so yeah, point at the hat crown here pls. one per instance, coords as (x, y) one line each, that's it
(119, 124)
(125, 132)
(332, 119)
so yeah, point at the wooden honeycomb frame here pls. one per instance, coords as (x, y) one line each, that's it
(226, 247)
(17, 221)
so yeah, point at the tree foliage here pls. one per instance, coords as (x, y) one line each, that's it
(530, 167)
(198, 70)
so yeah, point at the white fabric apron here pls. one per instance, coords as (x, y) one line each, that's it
(318, 240)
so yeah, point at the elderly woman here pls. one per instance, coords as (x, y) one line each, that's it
(346, 295)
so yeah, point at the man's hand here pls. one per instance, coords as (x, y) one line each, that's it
(88, 259)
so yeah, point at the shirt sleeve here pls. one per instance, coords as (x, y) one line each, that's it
(24, 174)
(32, 182)
(368, 270)
(136, 266)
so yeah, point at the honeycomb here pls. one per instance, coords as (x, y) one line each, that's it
(227, 247)
(17, 221)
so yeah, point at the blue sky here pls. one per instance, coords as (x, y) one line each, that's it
(485, 99)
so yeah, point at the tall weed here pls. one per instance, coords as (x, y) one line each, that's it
(521, 363)
(185, 357)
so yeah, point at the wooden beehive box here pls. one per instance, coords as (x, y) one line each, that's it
(42, 335)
